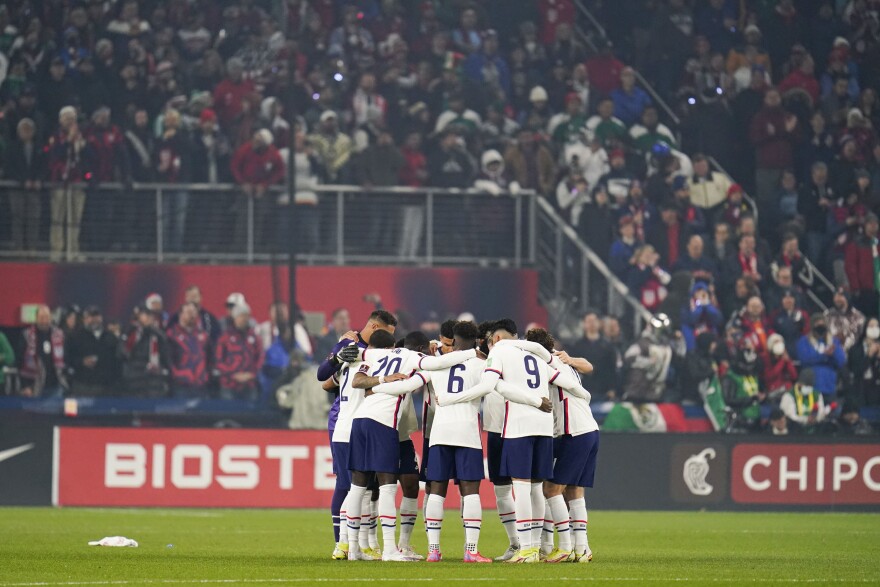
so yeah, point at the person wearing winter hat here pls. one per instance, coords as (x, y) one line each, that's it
(256, 165)
(822, 353)
(779, 370)
(708, 188)
(845, 322)
(803, 404)
(238, 356)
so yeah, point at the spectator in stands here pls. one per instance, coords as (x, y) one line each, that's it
(450, 165)
(602, 382)
(861, 268)
(623, 250)
(487, 67)
(618, 180)
(670, 235)
(864, 364)
(154, 303)
(189, 351)
(741, 386)
(720, 246)
(804, 404)
(340, 325)
(822, 353)
(773, 132)
(351, 41)
(817, 146)
(604, 69)
(91, 357)
(845, 323)
(25, 164)
(648, 361)
(144, 352)
(332, 147)
(692, 218)
(649, 131)
(779, 374)
(256, 166)
(744, 262)
(751, 324)
(694, 261)
(700, 315)
(790, 256)
(238, 357)
(231, 94)
(279, 320)
(530, 163)
(779, 425)
(850, 423)
(111, 165)
(708, 189)
(790, 320)
(42, 367)
(787, 210)
(749, 227)
(735, 208)
(207, 321)
(368, 105)
(604, 126)
(646, 279)
(814, 202)
(629, 100)
(173, 166)
(71, 160)
(566, 127)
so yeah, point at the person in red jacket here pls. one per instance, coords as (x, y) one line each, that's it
(230, 93)
(255, 166)
(189, 349)
(604, 70)
(780, 374)
(772, 131)
(862, 262)
(239, 357)
(71, 159)
(112, 218)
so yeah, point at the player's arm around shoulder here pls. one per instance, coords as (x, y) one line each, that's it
(403, 386)
(516, 394)
(579, 364)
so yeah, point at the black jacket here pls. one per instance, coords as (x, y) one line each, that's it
(18, 168)
(83, 343)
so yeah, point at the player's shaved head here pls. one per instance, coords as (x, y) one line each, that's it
(417, 341)
(465, 335)
(381, 339)
(542, 337)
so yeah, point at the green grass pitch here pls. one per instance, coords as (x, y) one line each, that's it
(46, 547)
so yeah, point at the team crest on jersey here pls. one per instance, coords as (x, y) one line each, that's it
(488, 363)
(364, 369)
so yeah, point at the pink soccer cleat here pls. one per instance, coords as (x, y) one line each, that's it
(475, 557)
(435, 556)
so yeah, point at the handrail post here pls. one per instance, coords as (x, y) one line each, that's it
(429, 229)
(585, 283)
(517, 236)
(160, 249)
(532, 229)
(559, 262)
(340, 225)
(250, 229)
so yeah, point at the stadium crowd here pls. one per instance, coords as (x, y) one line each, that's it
(500, 96)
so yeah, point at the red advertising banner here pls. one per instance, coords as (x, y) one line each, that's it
(199, 468)
(825, 474)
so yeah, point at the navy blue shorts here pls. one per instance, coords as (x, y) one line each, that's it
(530, 457)
(494, 443)
(575, 459)
(423, 469)
(409, 464)
(339, 450)
(455, 462)
(373, 447)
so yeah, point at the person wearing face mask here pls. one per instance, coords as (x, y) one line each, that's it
(91, 357)
(740, 387)
(779, 425)
(790, 321)
(844, 321)
(864, 364)
(822, 353)
(779, 371)
(803, 404)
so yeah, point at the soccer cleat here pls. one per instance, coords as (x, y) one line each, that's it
(435, 556)
(558, 556)
(475, 557)
(354, 554)
(583, 557)
(508, 554)
(529, 555)
(371, 554)
(410, 552)
(340, 553)
(396, 556)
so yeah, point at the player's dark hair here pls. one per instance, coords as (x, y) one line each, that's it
(381, 339)
(506, 324)
(486, 328)
(447, 328)
(399, 344)
(417, 341)
(542, 337)
(466, 330)
(384, 317)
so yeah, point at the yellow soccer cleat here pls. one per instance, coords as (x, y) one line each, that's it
(370, 554)
(340, 553)
(558, 556)
(583, 557)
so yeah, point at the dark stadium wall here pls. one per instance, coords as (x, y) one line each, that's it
(116, 288)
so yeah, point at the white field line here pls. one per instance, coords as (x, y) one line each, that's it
(423, 580)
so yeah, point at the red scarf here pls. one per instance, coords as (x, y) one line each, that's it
(30, 362)
(749, 264)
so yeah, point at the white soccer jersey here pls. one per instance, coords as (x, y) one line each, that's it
(350, 400)
(456, 424)
(408, 421)
(525, 371)
(493, 413)
(383, 408)
(571, 414)
(428, 410)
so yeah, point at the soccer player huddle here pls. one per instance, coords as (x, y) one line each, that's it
(542, 439)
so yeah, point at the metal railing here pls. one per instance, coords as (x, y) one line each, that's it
(568, 272)
(341, 225)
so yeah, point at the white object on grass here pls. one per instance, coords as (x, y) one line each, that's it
(114, 541)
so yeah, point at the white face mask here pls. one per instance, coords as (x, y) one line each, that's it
(806, 389)
(873, 332)
(778, 348)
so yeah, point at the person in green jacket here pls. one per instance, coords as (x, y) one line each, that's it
(7, 358)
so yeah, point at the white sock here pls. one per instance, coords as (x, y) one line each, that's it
(353, 509)
(578, 510)
(522, 505)
(472, 517)
(374, 523)
(388, 516)
(409, 511)
(504, 503)
(434, 520)
(559, 512)
(364, 534)
(537, 513)
(547, 534)
(343, 525)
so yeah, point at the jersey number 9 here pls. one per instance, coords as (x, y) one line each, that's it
(531, 364)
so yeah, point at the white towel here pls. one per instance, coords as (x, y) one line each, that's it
(114, 541)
